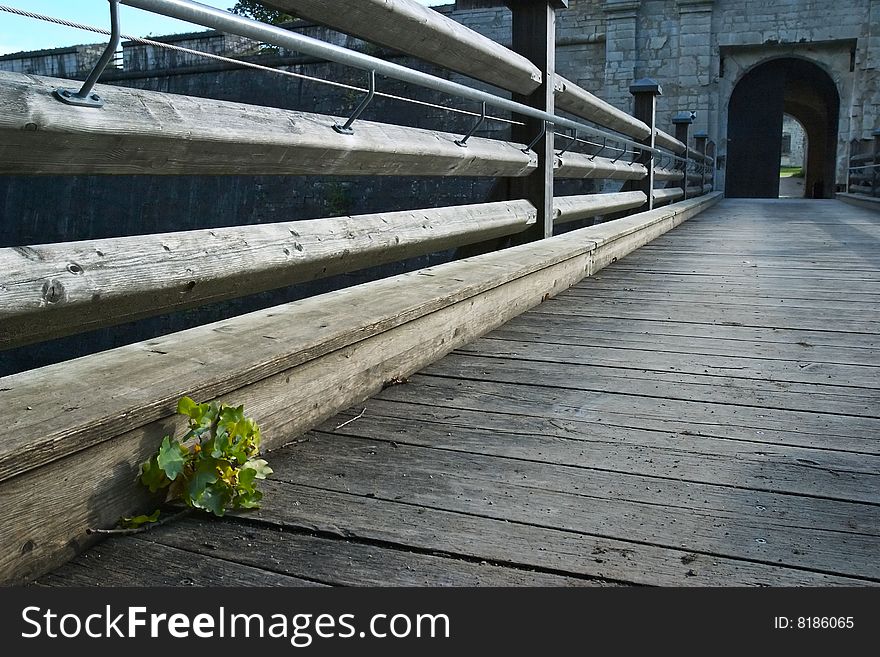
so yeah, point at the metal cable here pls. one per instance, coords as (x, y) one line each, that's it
(247, 64)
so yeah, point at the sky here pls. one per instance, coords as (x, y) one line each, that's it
(17, 33)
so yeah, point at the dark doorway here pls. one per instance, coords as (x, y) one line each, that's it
(754, 129)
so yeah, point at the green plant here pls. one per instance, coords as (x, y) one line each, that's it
(213, 467)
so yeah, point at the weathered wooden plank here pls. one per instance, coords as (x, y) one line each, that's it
(628, 372)
(344, 458)
(795, 318)
(412, 28)
(661, 175)
(516, 492)
(146, 132)
(667, 195)
(58, 289)
(859, 200)
(576, 100)
(571, 331)
(127, 561)
(859, 346)
(794, 428)
(572, 208)
(509, 542)
(667, 141)
(578, 165)
(342, 562)
(315, 358)
(744, 465)
(742, 293)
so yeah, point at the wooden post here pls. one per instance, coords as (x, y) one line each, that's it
(700, 139)
(645, 92)
(534, 37)
(710, 151)
(682, 122)
(875, 171)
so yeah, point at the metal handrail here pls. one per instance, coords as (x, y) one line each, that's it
(217, 19)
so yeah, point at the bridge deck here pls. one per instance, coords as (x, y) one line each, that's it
(705, 412)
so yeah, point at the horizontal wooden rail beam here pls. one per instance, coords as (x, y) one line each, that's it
(668, 195)
(77, 431)
(698, 190)
(54, 290)
(414, 29)
(862, 158)
(145, 132)
(662, 175)
(578, 165)
(667, 141)
(578, 101)
(572, 208)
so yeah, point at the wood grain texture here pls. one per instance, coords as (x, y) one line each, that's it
(572, 208)
(312, 359)
(59, 289)
(665, 140)
(147, 132)
(576, 100)
(668, 195)
(410, 27)
(578, 447)
(578, 165)
(663, 175)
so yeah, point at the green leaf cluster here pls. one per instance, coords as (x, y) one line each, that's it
(213, 467)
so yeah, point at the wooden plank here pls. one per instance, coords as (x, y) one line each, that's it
(146, 132)
(627, 372)
(576, 100)
(573, 208)
(858, 345)
(519, 492)
(684, 457)
(661, 175)
(104, 282)
(578, 165)
(858, 200)
(505, 542)
(342, 460)
(127, 561)
(865, 306)
(667, 195)
(665, 140)
(571, 331)
(719, 314)
(316, 357)
(410, 27)
(793, 428)
(341, 562)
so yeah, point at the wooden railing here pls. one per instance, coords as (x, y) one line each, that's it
(864, 167)
(79, 430)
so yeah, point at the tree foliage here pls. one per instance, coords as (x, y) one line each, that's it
(260, 12)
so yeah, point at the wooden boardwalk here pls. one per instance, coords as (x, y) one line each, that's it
(704, 412)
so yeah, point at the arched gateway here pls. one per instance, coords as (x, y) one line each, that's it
(791, 86)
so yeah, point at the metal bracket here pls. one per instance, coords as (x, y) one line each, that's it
(85, 97)
(571, 142)
(597, 153)
(463, 141)
(622, 153)
(346, 129)
(538, 138)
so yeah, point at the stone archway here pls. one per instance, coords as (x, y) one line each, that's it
(787, 85)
